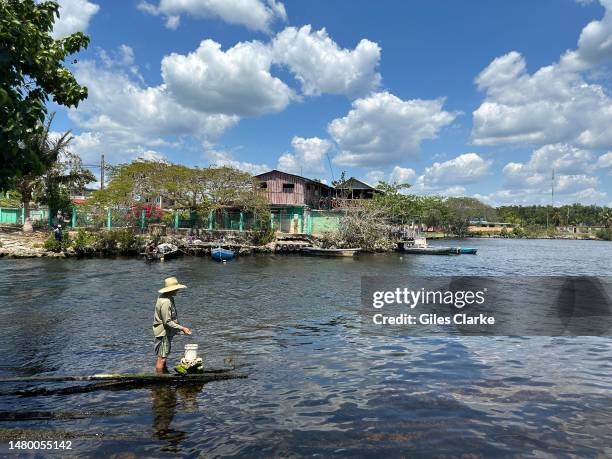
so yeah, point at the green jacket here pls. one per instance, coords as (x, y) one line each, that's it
(165, 320)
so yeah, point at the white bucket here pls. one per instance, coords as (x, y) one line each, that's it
(191, 351)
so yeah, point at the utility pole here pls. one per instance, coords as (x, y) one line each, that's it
(552, 195)
(102, 172)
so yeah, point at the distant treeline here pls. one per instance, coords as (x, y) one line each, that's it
(574, 214)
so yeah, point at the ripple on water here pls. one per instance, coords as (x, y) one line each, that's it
(316, 385)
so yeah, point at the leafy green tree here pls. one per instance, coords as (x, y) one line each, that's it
(605, 217)
(195, 190)
(464, 209)
(393, 205)
(31, 71)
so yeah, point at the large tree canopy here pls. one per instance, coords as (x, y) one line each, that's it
(193, 189)
(31, 71)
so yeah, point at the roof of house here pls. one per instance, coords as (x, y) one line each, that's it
(354, 184)
(293, 175)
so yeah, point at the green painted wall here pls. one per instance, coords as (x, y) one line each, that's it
(325, 222)
(10, 216)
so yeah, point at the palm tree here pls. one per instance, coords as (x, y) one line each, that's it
(49, 149)
(606, 217)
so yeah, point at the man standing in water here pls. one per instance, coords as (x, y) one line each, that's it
(165, 322)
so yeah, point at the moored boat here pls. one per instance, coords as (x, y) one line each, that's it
(428, 250)
(162, 252)
(330, 252)
(465, 250)
(220, 254)
(167, 251)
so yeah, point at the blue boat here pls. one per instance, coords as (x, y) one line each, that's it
(465, 250)
(220, 254)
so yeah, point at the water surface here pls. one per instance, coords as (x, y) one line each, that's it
(316, 385)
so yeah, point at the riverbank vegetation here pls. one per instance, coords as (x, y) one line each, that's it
(388, 216)
(194, 192)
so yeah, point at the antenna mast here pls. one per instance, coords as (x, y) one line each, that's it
(552, 189)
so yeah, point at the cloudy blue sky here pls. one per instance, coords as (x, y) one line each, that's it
(474, 97)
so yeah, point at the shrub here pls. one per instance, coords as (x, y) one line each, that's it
(54, 245)
(518, 231)
(263, 236)
(40, 225)
(84, 241)
(116, 241)
(605, 234)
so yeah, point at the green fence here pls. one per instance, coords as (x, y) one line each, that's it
(11, 216)
(14, 216)
(122, 218)
(293, 220)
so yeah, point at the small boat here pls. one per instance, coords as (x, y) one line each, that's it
(163, 251)
(428, 250)
(167, 251)
(330, 252)
(220, 254)
(465, 250)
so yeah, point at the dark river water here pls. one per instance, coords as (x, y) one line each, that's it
(316, 385)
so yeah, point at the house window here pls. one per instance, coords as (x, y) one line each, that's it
(263, 185)
(308, 186)
(288, 187)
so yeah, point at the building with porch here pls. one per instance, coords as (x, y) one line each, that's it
(291, 198)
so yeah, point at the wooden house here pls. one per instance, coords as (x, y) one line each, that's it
(282, 189)
(352, 193)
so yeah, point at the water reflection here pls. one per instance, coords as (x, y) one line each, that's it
(165, 400)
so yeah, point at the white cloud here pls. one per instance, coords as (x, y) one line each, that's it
(74, 17)
(398, 174)
(595, 42)
(531, 182)
(374, 176)
(382, 128)
(605, 160)
(122, 59)
(120, 104)
(465, 168)
(562, 158)
(449, 177)
(90, 146)
(574, 183)
(424, 187)
(529, 197)
(151, 155)
(308, 157)
(321, 66)
(121, 117)
(555, 104)
(403, 175)
(234, 82)
(571, 166)
(253, 14)
(222, 158)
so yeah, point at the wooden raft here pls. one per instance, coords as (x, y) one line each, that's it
(116, 381)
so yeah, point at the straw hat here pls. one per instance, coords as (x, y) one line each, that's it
(171, 284)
